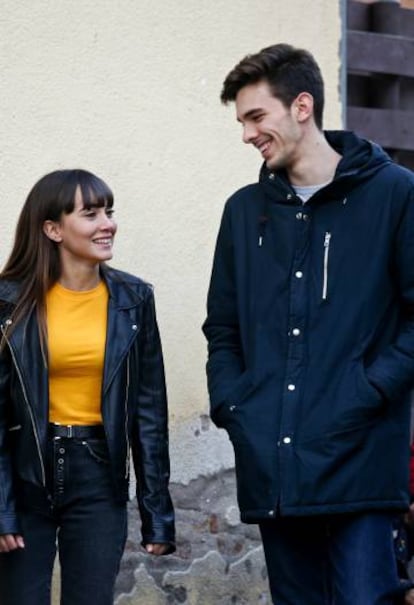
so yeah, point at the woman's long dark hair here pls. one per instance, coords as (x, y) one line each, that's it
(34, 262)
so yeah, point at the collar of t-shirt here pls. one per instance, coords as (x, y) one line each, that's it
(305, 193)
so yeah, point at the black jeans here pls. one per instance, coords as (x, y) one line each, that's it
(337, 560)
(81, 519)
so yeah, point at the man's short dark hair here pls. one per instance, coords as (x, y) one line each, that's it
(288, 71)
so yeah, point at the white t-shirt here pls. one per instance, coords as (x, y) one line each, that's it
(306, 192)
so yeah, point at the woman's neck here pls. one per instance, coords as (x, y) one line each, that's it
(83, 278)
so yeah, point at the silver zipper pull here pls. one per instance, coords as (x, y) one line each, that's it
(326, 244)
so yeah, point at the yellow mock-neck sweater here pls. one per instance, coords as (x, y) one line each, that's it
(76, 326)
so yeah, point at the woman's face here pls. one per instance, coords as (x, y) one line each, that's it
(86, 234)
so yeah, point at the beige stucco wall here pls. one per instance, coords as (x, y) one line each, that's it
(129, 89)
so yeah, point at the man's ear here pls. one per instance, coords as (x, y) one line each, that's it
(303, 106)
(52, 230)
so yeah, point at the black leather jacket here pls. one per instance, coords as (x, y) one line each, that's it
(134, 404)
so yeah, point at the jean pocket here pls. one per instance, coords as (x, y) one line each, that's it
(97, 449)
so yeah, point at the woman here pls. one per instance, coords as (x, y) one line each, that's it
(81, 385)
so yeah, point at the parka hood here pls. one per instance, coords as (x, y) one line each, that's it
(360, 160)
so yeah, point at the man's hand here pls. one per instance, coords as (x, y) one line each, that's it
(157, 549)
(409, 516)
(9, 542)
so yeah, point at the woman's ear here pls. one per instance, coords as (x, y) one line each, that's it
(52, 230)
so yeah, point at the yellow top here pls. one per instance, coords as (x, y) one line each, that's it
(76, 326)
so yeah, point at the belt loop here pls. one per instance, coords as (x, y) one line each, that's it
(70, 431)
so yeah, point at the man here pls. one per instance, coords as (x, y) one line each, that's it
(311, 338)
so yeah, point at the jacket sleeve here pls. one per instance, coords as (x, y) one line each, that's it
(392, 372)
(225, 360)
(8, 518)
(150, 437)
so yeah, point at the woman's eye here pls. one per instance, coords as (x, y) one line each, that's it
(109, 212)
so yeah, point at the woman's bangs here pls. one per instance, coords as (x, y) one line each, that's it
(95, 193)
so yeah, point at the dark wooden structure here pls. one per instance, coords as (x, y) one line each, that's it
(380, 76)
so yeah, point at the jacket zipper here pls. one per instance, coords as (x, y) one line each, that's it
(127, 463)
(39, 451)
(326, 245)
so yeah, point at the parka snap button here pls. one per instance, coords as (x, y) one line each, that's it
(287, 440)
(271, 513)
(299, 274)
(295, 331)
(134, 326)
(291, 387)
(306, 217)
(299, 216)
(232, 408)
(271, 176)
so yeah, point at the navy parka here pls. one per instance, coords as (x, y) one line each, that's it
(310, 330)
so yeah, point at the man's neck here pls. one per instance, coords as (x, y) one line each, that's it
(316, 161)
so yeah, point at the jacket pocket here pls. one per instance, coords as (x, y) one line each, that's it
(365, 388)
(14, 428)
(240, 389)
(361, 403)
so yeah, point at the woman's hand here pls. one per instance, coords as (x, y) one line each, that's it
(9, 542)
(157, 549)
(409, 597)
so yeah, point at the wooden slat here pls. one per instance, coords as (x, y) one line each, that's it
(380, 53)
(358, 16)
(390, 128)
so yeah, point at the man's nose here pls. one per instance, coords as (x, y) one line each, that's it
(249, 133)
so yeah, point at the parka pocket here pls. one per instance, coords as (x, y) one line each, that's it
(366, 389)
(240, 389)
(360, 403)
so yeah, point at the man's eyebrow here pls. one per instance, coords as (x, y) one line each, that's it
(250, 114)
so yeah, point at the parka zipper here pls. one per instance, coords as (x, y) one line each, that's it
(127, 463)
(36, 436)
(326, 245)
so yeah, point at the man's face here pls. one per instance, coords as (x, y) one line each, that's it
(268, 125)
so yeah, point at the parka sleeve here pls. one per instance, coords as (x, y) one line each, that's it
(225, 360)
(8, 518)
(150, 437)
(392, 372)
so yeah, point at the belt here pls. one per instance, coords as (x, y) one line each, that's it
(77, 431)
